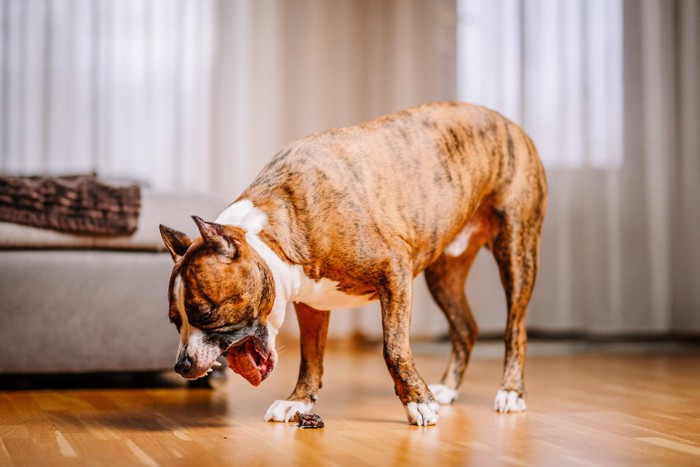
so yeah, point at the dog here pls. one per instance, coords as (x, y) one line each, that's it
(348, 216)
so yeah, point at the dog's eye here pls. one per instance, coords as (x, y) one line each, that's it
(201, 314)
(205, 317)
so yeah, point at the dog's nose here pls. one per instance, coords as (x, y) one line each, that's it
(183, 365)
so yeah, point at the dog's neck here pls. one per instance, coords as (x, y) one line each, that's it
(288, 278)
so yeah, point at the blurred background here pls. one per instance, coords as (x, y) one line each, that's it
(195, 96)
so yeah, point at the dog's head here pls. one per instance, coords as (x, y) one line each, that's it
(221, 294)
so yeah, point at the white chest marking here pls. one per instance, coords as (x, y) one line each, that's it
(461, 242)
(324, 295)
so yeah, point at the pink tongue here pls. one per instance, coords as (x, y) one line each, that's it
(240, 359)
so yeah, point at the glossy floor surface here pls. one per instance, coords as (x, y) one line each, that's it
(584, 409)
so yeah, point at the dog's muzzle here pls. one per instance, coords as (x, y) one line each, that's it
(245, 349)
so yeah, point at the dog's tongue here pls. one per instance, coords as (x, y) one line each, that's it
(242, 360)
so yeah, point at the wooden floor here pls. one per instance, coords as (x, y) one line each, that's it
(583, 410)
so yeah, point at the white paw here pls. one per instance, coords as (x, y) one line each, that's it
(509, 401)
(284, 411)
(443, 394)
(422, 414)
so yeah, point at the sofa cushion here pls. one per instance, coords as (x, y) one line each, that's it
(170, 208)
(85, 311)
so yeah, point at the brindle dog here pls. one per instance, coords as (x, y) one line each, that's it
(352, 215)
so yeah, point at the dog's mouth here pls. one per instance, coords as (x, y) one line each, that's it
(251, 359)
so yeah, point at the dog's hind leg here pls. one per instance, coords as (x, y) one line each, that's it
(516, 249)
(313, 330)
(446, 281)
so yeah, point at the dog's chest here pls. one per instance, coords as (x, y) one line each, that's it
(324, 295)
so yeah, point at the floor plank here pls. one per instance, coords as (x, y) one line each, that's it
(585, 409)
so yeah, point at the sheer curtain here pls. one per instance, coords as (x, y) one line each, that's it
(122, 88)
(198, 95)
(608, 91)
(556, 67)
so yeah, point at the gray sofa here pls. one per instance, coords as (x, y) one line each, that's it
(82, 303)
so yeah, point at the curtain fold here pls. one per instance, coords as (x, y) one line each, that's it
(686, 209)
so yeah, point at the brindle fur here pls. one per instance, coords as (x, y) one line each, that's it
(313, 328)
(373, 205)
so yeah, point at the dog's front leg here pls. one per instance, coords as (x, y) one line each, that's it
(313, 330)
(395, 296)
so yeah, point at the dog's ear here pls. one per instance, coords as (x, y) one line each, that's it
(176, 242)
(222, 239)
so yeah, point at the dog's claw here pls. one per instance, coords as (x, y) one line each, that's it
(422, 414)
(509, 402)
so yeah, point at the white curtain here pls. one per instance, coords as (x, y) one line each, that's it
(121, 88)
(608, 91)
(198, 95)
(556, 67)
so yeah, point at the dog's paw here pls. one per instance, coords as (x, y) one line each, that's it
(509, 401)
(422, 414)
(443, 394)
(284, 411)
